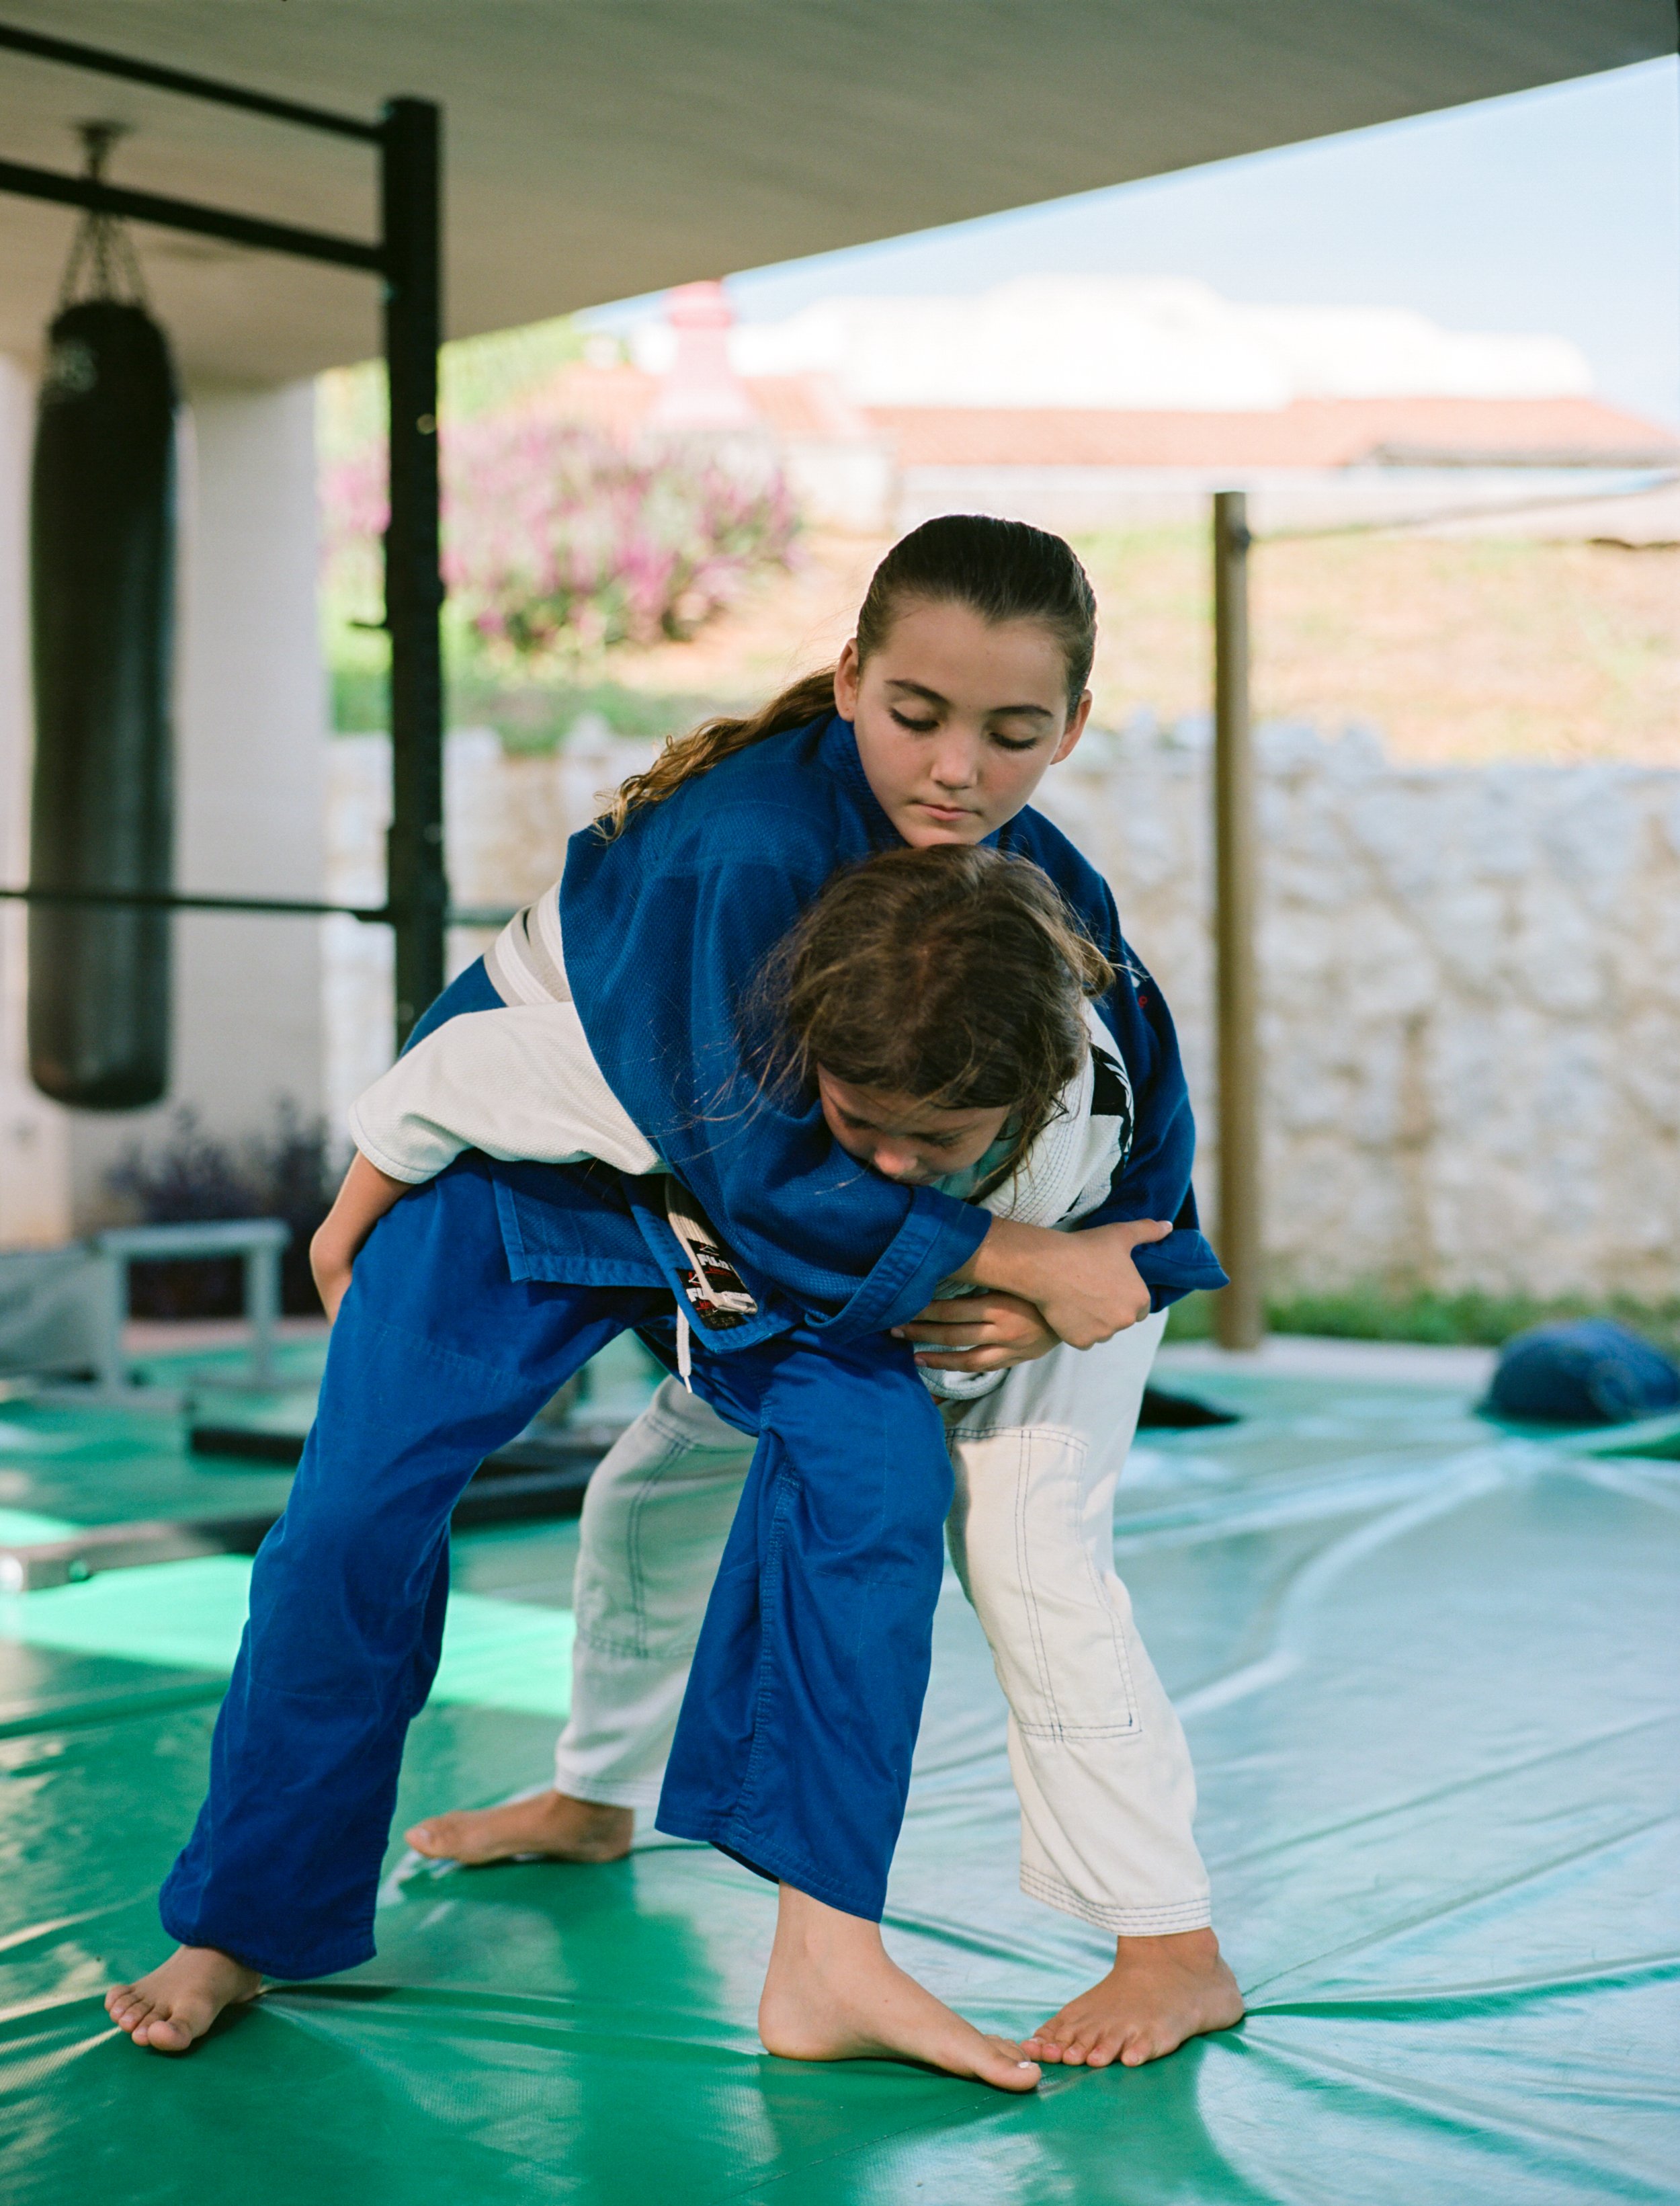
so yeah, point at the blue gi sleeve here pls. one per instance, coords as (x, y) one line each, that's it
(667, 987)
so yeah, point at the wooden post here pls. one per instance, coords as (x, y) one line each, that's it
(1239, 1313)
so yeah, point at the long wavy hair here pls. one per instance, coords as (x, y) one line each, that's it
(1004, 570)
(954, 975)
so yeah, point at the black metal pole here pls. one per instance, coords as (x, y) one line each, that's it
(74, 55)
(418, 892)
(188, 215)
(168, 900)
(409, 136)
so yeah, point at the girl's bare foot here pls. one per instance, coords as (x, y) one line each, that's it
(1159, 1992)
(172, 2008)
(831, 1993)
(549, 1823)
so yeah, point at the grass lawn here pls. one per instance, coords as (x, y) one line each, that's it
(1472, 1320)
(1461, 651)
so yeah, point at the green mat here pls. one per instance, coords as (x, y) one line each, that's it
(1428, 1671)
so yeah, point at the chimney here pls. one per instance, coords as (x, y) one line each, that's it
(701, 389)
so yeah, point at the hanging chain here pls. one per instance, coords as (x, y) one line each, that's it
(103, 252)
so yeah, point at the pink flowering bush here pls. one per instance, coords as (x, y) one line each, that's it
(354, 510)
(555, 541)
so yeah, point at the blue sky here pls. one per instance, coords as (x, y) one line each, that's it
(1555, 211)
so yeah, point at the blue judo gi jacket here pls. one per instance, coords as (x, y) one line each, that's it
(667, 929)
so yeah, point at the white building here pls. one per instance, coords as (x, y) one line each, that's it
(1082, 401)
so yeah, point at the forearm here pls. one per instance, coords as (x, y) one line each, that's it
(985, 1331)
(1015, 1259)
(363, 1200)
(1086, 1283)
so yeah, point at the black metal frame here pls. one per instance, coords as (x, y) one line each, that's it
(407, 256)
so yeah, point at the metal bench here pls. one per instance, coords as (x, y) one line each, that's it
(258, 1240)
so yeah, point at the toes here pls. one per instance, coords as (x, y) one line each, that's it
(1065, 2047)
(436, 1841)
(1101, 2049)
(1045, 2043)
(1083, 2048)
(1052, 2040)
(1009, 2068)
(163, 2034)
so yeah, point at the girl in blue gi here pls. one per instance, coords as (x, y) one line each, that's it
(478, 1296)
(907, 974)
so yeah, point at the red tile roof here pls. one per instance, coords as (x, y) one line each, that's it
(1313, 432)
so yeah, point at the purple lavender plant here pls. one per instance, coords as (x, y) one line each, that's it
(284, 1172)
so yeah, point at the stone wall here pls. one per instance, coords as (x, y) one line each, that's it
(1471, 992)
(1471, 982)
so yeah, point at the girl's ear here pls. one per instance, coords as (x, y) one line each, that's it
(1077, 719)
(846, 675)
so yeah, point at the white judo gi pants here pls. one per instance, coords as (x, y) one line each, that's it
(1098, 1756)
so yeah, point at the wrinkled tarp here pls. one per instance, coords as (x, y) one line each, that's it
(1429, 1671)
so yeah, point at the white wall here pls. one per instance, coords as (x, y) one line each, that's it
(250, 799)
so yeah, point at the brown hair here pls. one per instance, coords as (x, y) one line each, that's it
(953, 974)
(1004, 570)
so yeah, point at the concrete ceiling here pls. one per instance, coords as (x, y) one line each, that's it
(599, 148)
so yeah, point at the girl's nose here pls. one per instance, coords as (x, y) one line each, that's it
(954, 767)
(896, 1162)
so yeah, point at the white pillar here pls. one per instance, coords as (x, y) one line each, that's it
(34, 1146)
(250, 800)
(250, 779)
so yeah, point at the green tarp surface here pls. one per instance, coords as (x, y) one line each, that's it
(1429, 1672)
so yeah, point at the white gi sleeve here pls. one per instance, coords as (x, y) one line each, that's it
(517, 1082)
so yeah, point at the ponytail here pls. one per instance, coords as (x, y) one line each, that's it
(713, 741)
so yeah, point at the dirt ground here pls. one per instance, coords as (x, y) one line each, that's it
(1459, 651)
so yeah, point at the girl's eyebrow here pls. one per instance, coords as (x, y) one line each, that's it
(997, 712)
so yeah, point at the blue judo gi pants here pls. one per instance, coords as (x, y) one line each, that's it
(793, 1750)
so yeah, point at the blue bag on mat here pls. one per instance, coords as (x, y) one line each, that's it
(1587, 1371)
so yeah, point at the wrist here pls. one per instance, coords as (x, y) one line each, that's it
(1011, 1259)
(329, 1251)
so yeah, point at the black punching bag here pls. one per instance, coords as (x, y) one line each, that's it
(103, 577)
